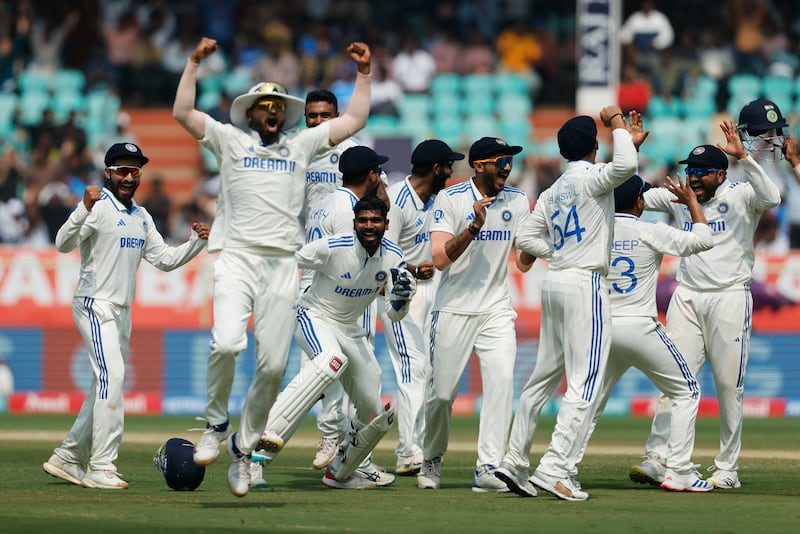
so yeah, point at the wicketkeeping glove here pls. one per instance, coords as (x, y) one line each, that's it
(402, 288)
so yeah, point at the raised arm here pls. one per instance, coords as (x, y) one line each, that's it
(192, 120)
(767, 195)
(357, 113)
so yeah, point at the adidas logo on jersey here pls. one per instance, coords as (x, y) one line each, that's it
(346, 276)
(121, 223)
(419, 222)
(471, 217)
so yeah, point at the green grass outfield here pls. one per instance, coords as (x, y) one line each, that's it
(33, 502)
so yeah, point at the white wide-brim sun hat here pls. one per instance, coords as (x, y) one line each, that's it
(295, 107)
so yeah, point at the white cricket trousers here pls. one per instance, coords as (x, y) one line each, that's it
(335, 409)
(574, 339)
(643, 343)
(264, 285)
(96, 434)
(408, 342)
(713, 326)
(361, 379)
(454, 336)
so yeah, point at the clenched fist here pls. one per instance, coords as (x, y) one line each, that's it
(91, 195)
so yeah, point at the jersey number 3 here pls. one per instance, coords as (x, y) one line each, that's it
(571, 227)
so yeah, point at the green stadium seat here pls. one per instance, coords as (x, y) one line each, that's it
(414, 107)
(510, 83)
(34, 80)
(69, 80)
(745, 85)
(449, 128)
(8, 106)
(31, 106)
(447, 104)
(66, 101)
(514, 105)
(446, 83)
(479, 85)
(208, 100)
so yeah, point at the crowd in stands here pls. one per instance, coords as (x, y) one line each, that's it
(678, 61)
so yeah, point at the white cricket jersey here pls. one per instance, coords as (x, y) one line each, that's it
(636, 253)
(323, 175)
(346, 279)
(733, 213)
(410, 222)
(113, 241)
(477, 282)
(261, 187)
(577, 211)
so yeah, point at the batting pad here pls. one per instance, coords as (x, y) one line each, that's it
(295, 401)
(359, 444)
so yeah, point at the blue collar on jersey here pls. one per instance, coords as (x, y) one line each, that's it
(106, 193)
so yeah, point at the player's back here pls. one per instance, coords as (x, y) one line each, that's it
(580, 224)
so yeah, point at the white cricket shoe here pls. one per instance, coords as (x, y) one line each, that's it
(516, 480)
(257, 474)
(326, 452)
(104, 479)
(375, 473)
(207, 450)
(354, 482)
(688, 482)
(430, 476)
(563, 488)
(408, 465)
(239, 470)
(723, 479)
(486, 482)
(650, 471)
(60, 468)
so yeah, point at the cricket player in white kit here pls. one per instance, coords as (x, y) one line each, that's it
(472, 236)
(114, 235)
(350, 271)
(333, 215)
(408, 340)
(710, 313)
(639, 340)
(322, 178)
(257, 232)
(577, 212)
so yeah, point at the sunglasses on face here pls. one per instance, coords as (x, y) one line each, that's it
(125, 170)
(271, 105)
(500, 162)
(699, 171)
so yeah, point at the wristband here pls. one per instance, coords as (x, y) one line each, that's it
(473, 229)
(614, 115)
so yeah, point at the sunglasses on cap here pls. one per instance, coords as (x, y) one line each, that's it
(500, 161)
(699, 171)
(276, 105)
(125, 170)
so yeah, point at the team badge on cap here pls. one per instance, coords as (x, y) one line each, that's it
(699, 150)
(131, 148)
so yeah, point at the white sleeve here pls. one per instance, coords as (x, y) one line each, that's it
(313, 255)
(533, 235)
(766, 194)
(658, 199)
(69, 235)
(668, 240)
(620, 168)
(167, 258)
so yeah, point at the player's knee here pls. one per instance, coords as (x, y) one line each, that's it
(228, 346)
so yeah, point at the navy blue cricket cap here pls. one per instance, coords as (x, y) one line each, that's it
(577, 137)
(433, 151)
(124, 150)
(707, 156)
(489, 147)
(360, 160)
(627, 192)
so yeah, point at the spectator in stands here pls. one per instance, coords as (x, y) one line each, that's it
(385, 91)
(413, 68)
(644, 33)
(519, 52)
(447, 50)
(159, 206)
(120, 38)
(634, 91)
(279, 63)
(48, 33)
(478, 55)
(748, 21)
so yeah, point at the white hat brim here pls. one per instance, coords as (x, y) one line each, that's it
(295, 108)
